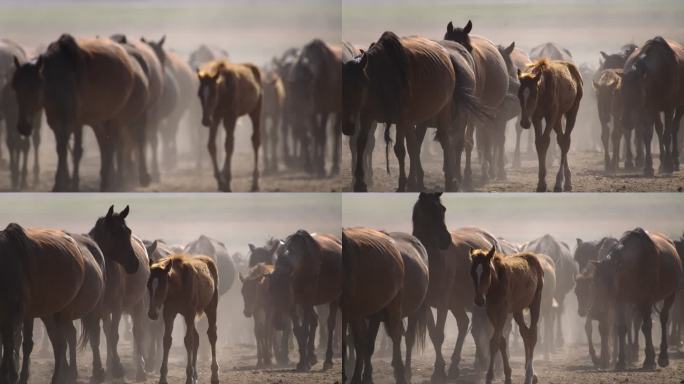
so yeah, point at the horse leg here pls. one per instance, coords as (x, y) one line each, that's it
(229, 126)
(629, 158)
(467, 171)
(675, 138)
(26, 147)
(62, 174)
(211, 313)
(646, 329)
(144, 177)
(55, 331)
(616, 134)
(503, 346)
(560, 139)
(604, 331)
(463, 323)
(211, 148)
(559, 340)
(437, 336)
(312, 319)
(400, 152)
(8, 368)
(494, 345)
(27, 347)
(337, 145)
(541, 142)
(548, 333)
(256, 142)
(36, 155)
(516, 152)
(92, 322)
(168, 331)
(359, 333)
(139, 322)
(605, 136)
(416, 174)
(113, 361)
(646, 130)
(663, 358)
(663, 134)
(410, 339)
(588, 329)
(443, 131)
(395, 330)
(189, 342)
(332, 318)
(300, 331)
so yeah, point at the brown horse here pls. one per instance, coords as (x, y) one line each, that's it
(642, 269)
(126, 275)
(415, 287)
(449, 288)
(491, 86)
(45, 274)
(508, 285)
(608, 86)
(186, 83)
(257, 304)
(550, 90)
(551, 51)
(653, 82)
(18, 146)
(226, 92)
(84, 82)
(515, 59)
(368, 254)
(316, 80)
(404, 82)
(185, 285)
(271, 111)
(266, 254)
(308, 272)
(215, 249)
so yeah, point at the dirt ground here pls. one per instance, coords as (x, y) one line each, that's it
(236, 365)
(586, 167)
(571, 365)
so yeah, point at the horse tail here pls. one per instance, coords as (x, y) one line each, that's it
(464, 96)
(255, 71)
(388, 141)
(16, 243)
(86, 334)
(421, 326)
(213, 270)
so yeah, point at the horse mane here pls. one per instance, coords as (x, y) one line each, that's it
(258, 271)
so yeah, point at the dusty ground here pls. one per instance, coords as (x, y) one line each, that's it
(236, 366)
(586, 167)
(571, 365)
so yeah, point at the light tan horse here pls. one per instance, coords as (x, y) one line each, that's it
(45, 274)
(368, 254)
(185, 285)
(508, 285)
(257, 304)
(548, 91)
(226, 92)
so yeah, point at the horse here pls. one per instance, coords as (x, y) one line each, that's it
(272, 110)
(491, 86)
(257, 304)
(315, 80)
(616, 60)
(642, 269)
(308, 272)
(226, 92)
(266, 254)
(185, 285)
(215, 249)
(608, 86)
(126, 275)
(565, 269)
(551, 51)
(291, 146)
(375, 87)
(186, 82)
(45, 274)
(18, 147)
(449, 288)
(84, 82)
(415, 287)
(367, 254)
(201, 55)
(515, 59)
(550, 90)
(647, 91)
(507, 285)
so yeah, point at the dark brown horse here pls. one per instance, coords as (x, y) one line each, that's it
(126, 276)
(653, 82)
(509, 285)
(308, 272)
(45, 274)
(642, 269)
(258, 304)
(404, 82)
(368, 254)
(491, 86)
(185, 285)
(548, 91)
(607, 86)
(80, 82)
(226, 92)
(449, 288)
(18, 146)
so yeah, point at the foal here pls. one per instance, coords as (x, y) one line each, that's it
(189, 286)
(508, 285)
(257, 304)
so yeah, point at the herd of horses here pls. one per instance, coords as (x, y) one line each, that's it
(134, 94)
(98, 277)
(468, 88)
(618, 283)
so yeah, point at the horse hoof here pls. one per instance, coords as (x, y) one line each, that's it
(567, 188)
(649, 365)
(557, 188)
(663, 361)
(255, 188)
(541, 188)
(454, 372)
(360, 187)
(438, 377)
(327, 365)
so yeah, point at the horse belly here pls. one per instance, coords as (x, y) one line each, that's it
(55, 281)
(104, 94)
(88, 296)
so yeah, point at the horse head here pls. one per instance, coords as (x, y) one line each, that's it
(114, 238)
(428, 221)
(481, 271)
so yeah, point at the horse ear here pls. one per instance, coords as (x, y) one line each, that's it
(251, 247)
(110, 212)
(605, 55)
(510, 48)
(450, 27)
(162, 40)
(579, 241)
(16, 62)
(152, 248)
(468, 27)
(491, 252)
(125, 212)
